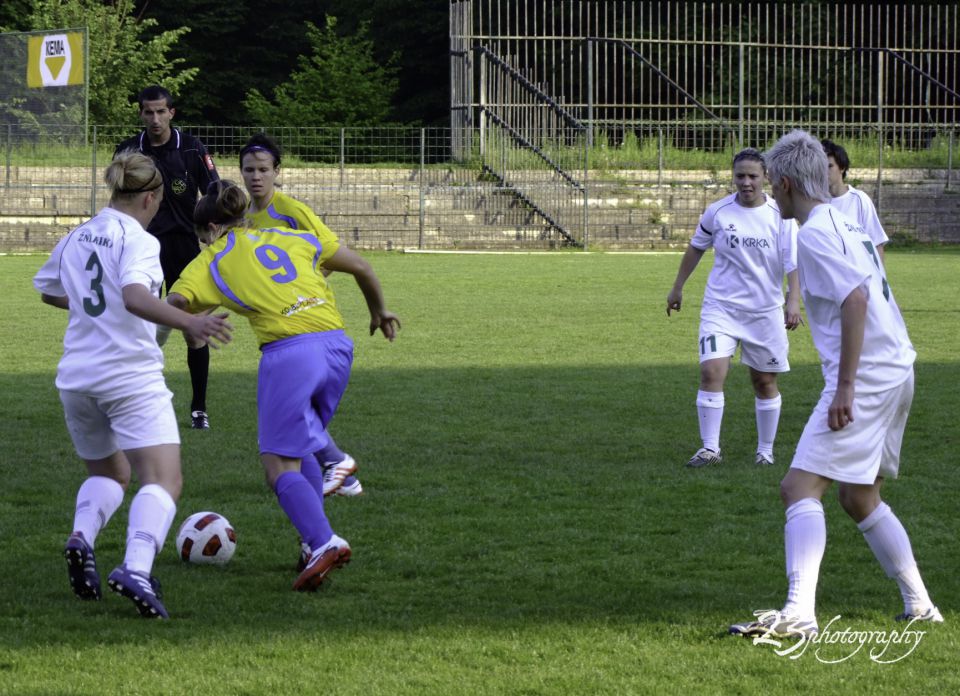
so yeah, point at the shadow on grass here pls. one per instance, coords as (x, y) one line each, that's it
(493, 496)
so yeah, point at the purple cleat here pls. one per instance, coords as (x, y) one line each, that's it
(82, 568)
(141, 588)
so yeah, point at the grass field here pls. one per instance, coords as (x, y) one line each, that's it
(528, 526)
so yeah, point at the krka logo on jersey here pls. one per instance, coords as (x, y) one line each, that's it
(55, 60)
(734, 242)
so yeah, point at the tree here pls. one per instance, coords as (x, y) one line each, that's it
(340, 84)
(122, 61)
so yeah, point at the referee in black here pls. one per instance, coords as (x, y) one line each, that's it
(187, 171)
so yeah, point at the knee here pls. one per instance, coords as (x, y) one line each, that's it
(173, 484)
(858, 504)
(765, 385)
(786, 493)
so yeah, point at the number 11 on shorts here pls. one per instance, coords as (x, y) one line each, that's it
(708, 341)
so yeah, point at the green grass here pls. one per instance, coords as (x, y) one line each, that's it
(527, 527)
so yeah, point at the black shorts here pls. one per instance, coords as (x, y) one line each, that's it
(176, 251)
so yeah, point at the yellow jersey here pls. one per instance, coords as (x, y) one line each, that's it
(284, 211)
(271, 276)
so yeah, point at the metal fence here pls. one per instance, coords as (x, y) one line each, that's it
(389, 188)
(720, 68)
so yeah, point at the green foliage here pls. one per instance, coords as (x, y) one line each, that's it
(122, 60)
(340, 84)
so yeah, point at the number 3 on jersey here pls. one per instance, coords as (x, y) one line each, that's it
(876, 262)
(95, 309)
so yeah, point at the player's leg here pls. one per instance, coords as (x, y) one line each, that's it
(767, 404)
(804, 533)
(804, 539)
(338, 470)
(146, 429)
(881, 528)
(99, 495)
(716, 345)
(710, 405)
(176, 251)
(765, 349)
(300, 383)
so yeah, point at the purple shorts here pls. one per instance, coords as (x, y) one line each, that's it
(299, 386)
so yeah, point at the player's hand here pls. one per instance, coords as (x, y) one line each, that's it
(791, 312)
(387, 322)
(163, 333)
(208, 329)
(840, 414)
(674, 300)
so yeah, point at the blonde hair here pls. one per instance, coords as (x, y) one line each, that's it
(130, 174)
(224, 204)
(800, 156)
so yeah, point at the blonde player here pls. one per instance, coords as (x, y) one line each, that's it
(856, 429)
(107, 275)
(852, 202)
(743, 304)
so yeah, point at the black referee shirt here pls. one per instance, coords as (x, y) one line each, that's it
(187, 170)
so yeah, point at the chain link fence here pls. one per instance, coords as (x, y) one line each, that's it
(395, 187)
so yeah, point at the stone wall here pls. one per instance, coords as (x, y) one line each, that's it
(447, 208)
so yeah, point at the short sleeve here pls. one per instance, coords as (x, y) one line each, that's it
(47, 279)
(703, 238)
(828, 269)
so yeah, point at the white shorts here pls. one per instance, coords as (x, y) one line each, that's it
(866, 448)
(762, 337)
(100, 426)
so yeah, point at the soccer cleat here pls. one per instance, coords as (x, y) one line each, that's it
(334, 474)
(82, 568)
(932, 615)
(332, 555)
(305, 554)
(351, 487)
(141, 588)
(764, 459)
(705, 457)
(199, 420)
(771, 623)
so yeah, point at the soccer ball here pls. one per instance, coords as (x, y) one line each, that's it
(206, 538)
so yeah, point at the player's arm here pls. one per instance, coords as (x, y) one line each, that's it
(200, 328)
(853, 313)
(62, 302)
(791, 312)
(207, 171)
(688, 264)
(345, 260)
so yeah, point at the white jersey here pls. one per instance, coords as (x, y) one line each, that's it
(857, 205)
(834, 258)
(107, 351)
(754, 249)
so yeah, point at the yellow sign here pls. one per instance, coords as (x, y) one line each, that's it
(55, 60)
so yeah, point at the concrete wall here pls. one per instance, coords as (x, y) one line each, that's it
(446, 208)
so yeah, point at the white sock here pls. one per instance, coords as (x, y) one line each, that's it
(710, 411)
(890, 544)
(804, 538)
(97, 500)
(151, 514)
(768, 417)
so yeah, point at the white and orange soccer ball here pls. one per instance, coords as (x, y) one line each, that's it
(206, 538)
